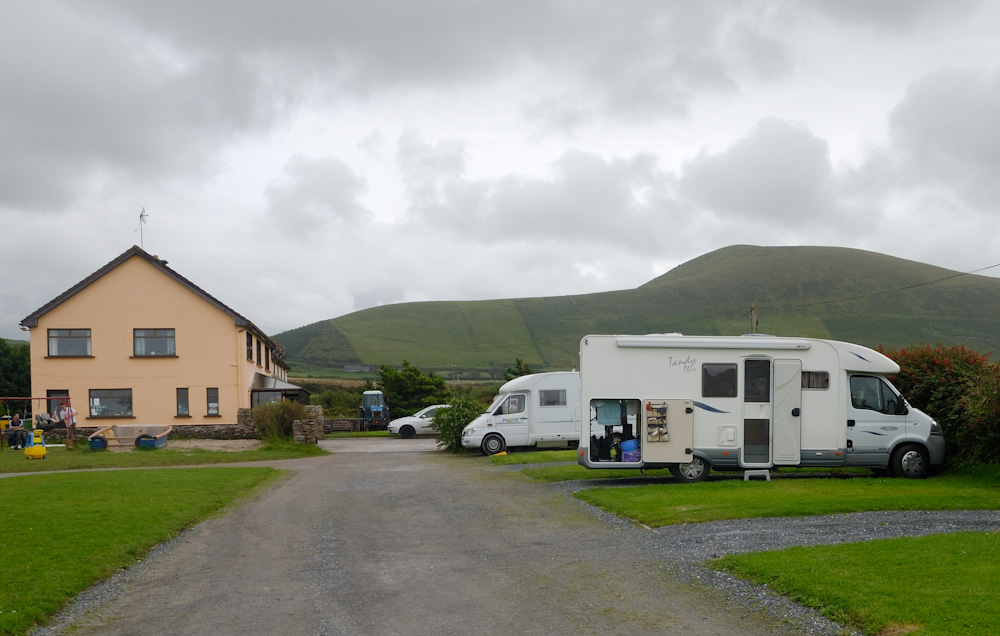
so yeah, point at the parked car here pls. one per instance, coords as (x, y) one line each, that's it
(417, 424)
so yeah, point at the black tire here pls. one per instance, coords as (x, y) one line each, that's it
(102, 442)
(910, 461)
(493, 444)
(142, 437)
(692, 472)
(407, 432)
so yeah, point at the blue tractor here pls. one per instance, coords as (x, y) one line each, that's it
(374, 412)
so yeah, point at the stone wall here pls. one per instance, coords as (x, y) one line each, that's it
(243, 428)
(309, 431)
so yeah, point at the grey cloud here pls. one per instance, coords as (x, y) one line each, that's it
(316, 192)
(779, 172)
(947, 132)
(893, 15)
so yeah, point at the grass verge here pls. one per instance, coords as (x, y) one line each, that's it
(80, 457)
(933, 586)
(64, 532)
(670, 503)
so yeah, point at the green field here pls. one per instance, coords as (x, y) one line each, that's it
(821, 292)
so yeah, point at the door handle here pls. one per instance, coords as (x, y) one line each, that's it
(795, 412)
(850, 422)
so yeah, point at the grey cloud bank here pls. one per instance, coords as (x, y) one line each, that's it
(302, 160)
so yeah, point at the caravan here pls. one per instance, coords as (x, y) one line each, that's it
(541, 409)
(691, 403)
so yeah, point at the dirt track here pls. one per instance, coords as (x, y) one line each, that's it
(409, 543)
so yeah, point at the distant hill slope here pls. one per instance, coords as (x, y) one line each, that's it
(824, 292)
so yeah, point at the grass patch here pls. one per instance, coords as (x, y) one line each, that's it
(81, 457)
(348, 434)
(672, 503)
(533, 457)
(64, 532)
(935, 585)
(572, 472)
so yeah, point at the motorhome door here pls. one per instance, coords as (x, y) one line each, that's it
(511, 417)
(756, 412)
(787, 436)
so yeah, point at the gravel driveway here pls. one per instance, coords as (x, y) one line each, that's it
(417, 542)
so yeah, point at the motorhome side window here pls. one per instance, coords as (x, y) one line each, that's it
(552, 397)
(757, 378)
(718, 380)
(869, 392)
(815, 380)
(513, 404)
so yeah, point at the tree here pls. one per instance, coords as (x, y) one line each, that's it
(15, 370)
(407, 390)
(520, 368)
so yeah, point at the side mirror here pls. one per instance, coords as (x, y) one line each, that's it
(898, 406)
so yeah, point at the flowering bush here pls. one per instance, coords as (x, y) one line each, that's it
(958, 388)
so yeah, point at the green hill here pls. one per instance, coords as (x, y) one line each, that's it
(824, 292)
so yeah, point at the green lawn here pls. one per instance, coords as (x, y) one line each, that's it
(63, 532)
(669, 503)
(80, 457)
(940, 585)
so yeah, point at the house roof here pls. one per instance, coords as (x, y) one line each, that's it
(135, 251)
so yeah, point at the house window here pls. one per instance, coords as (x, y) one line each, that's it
(258, 352)
(111, 403)
(213, 401)
(56, 399)
(69, 342)
(267, 359)
(153, 342)
(249, 346)
(182, 403)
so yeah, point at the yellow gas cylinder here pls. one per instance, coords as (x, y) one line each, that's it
(35, 448)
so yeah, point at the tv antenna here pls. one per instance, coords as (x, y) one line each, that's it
(142, 221)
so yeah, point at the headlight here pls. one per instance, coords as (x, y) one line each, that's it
(936, 428)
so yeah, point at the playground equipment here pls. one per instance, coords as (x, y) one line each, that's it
(46, 405)
(35, 448)
(119, 435)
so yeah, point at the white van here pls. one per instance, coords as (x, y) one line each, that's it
(541, 409)
(691, 403)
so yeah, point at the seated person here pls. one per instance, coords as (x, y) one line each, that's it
(17, 437)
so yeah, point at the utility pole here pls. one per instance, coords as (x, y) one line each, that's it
(753, 318)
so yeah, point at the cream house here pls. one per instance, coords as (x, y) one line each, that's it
(137, 343)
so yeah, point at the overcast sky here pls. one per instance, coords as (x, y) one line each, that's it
(300, 160)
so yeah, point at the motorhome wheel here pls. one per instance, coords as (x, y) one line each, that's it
(493, 444)
(694, 471)
(910, 461)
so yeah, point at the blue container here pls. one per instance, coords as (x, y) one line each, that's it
(630, 445)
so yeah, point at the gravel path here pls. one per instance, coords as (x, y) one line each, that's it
(419, 543)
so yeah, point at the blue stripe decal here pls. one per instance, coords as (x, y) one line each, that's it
(861, 356)
(706, 407)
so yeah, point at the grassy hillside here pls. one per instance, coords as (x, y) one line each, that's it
(825, 292)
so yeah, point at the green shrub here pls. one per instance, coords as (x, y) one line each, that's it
(449, 422)
(273, 421)
(337, 402)
(958, 388)
(408, 389)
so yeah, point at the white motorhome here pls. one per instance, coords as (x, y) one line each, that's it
(541, 409)
(692, 403)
